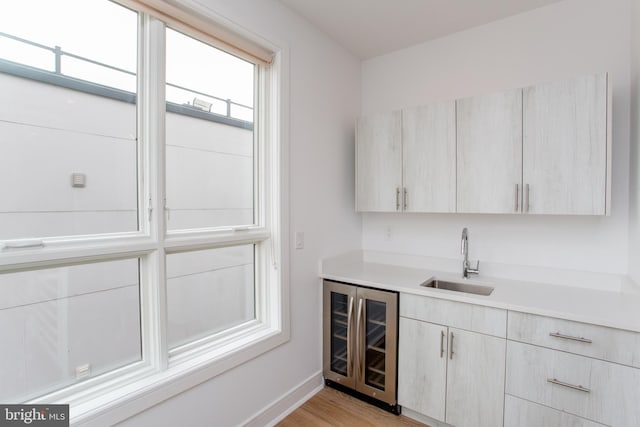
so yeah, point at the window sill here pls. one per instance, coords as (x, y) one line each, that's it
(122, 402)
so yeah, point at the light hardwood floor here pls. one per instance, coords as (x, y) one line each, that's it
(332, 408)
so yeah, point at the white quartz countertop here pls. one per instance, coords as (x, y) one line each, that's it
(614, 309)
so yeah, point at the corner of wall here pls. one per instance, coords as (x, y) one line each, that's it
(634, 158)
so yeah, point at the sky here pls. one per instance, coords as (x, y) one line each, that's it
(106, 32)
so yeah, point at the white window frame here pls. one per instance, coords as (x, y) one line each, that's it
(124, 392)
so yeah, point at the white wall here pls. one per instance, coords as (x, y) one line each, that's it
(634, 208)
(562, 40)
(323, 102)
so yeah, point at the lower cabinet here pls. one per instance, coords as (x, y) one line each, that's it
(466, 365)
(451, 375)
(570, 373)
(600, 391)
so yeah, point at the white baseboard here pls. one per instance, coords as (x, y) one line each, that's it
(422, 418)
(286, 404)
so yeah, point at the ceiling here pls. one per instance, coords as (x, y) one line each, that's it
(370, 28)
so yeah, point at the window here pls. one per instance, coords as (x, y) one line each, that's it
(208, 292)
(63, 324)
(210, 164)
(140, 222)
(52, 132)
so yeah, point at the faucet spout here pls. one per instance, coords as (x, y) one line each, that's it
(466, 267)
(465, 242)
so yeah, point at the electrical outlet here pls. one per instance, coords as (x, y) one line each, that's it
(299, 239)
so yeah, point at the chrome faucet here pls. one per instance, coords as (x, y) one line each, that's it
(466, 268)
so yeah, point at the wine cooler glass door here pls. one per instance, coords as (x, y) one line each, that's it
(340, 333)
(378, 344)
(339, 301)
(375, 348)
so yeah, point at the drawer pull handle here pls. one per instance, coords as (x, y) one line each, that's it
(563, 384)
(569, 337)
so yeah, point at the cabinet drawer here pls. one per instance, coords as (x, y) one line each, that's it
(614, 345)
(476, 318)
(522, 413)
(600, 391)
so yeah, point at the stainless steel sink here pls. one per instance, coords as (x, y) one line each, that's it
(458, 287)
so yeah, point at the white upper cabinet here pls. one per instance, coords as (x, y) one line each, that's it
(429, 158)
(379, 163)
(545, 149)
(489, 157)
(565, 147)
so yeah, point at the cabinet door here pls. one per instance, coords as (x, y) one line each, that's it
(377, 335)
(429, 158)
(475, 379)
(379, 163)
(422, 367)
(338, 330)
(565, 146)
(489, 165)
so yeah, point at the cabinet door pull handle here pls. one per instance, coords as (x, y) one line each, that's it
(451, 347)
(404, 199)
(526, 196)
(441, 344)
(571, 386)
(349, 339)
(397, 198)
(517, 204)
(569, 337)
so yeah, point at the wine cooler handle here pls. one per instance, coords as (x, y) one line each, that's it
(349, 339)
(358, 339)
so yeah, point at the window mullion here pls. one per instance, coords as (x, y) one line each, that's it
(152, 136)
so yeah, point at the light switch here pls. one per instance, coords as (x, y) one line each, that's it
(78, 180)
(299, 240)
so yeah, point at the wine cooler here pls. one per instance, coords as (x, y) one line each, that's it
(360, 341)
